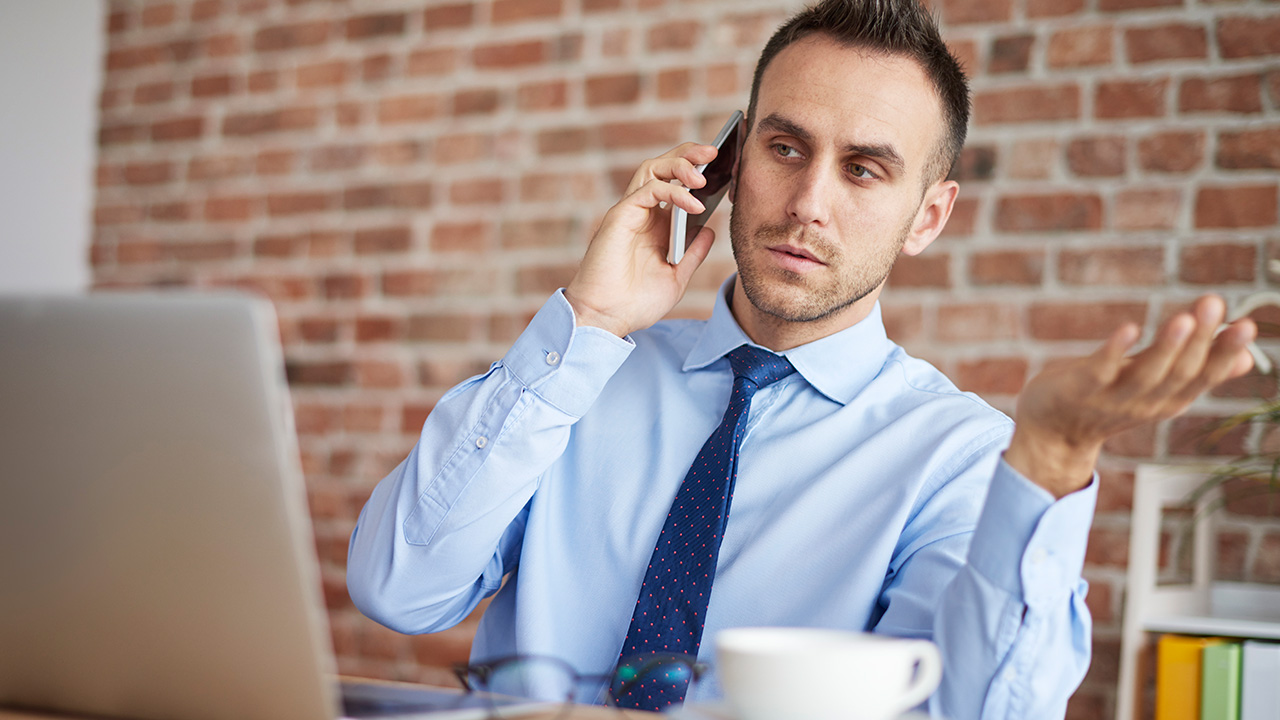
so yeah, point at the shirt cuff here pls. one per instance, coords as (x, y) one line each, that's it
(1029, 544)
(565, 364)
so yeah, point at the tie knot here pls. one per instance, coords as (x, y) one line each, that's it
(759, 366)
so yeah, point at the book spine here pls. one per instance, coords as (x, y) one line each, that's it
(1220, 683)
(1260, 681)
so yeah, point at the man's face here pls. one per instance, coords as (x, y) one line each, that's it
(831, 183)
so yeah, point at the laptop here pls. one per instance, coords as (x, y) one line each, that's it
(156, 557)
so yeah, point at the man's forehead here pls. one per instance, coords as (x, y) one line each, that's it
(870, 96)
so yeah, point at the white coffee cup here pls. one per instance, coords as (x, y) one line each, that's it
(818, 674)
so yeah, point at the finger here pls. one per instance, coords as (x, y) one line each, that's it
(1228, 357)
(657, 191)
(1109, 359)
(675, 164)
(694, 253)
(1148, 369)
(1208, 312)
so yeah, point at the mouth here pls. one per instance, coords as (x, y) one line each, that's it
(794, 258)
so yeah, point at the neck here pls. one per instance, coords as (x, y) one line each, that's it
(778, 334)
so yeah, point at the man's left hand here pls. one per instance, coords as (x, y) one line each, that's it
(1069, 410)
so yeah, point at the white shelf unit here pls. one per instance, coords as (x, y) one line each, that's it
(1201, 607)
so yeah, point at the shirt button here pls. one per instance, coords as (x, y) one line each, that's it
(1038, 556)
(481, 442)
(553, 358)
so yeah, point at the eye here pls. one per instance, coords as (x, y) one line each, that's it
(862, 172)
(784, 150)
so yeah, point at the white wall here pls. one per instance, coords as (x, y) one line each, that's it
(50, 75)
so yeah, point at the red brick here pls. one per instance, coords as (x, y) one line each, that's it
(151, 93)
(331, 73)
(345, 286)
(548, 232)
(512, 11)
(275, 162)
(674, 84)
(432, 61)
(612, 89)
(1101, 603)
(1171, 152)
(1234, 207)
(1027, 104)
(1254, 149)
(477, 191)
(331, 373)
(298, 203)
(442, 327)
(378, 26)
(1010, 54)
(224, 45)
(1240, 37)
(281, 120)
(959, 12)
(148, 173)
(379, 374)
(202, 10)
(1080, 47)
(461, 236)
(264, 81)
(395, 239)
(1097, 156)
(978, 322)
(903, 323)
(1218, 264)
(545, 279)
(996, 376)
(1048, 213)
(415, 195)
(159, 14)
(118, 21)
(1112, 267)
(1082, 321)
(337, 157)
(1033, 159)
(1107, 548)
(506, 56)
(409, 109)
(976, 163)
(217, 85)
(1124, 5)
(1171, 41)
(966, 53)
(177, 129)
(1147, 209)
(1235, 94)
(1139, 442)
(1121, 99)
(964, 216)
(288, 37)
(229, 208)
(1193, 435)
(171, 212)
(550, 95)
(459, 15)
(929, 270)
(133, 57)
(464, 148)
(1007, 267)
(674, 35)
(640, 134)
(1053, 8)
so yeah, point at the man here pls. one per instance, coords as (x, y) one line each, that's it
(867, 492)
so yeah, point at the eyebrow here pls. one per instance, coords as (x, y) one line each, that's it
(879, 151)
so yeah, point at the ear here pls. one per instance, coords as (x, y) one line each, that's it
(935, 209)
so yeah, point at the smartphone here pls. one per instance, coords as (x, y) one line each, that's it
(719, 174)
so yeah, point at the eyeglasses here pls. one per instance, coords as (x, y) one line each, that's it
(541, 677)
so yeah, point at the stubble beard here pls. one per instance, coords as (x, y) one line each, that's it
(794, 297)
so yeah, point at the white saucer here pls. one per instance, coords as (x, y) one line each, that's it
(721, 711)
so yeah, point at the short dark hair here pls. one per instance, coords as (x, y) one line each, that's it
(890, 27)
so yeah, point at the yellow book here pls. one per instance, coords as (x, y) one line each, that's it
(1178, 672)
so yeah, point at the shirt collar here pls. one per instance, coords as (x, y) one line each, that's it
(838, 366)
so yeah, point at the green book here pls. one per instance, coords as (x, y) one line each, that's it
(1220, 682)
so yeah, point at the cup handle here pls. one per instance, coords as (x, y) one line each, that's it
(928, 675)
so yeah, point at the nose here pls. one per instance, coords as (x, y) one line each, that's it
(810, 201)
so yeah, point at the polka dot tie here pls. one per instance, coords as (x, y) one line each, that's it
(672, 607)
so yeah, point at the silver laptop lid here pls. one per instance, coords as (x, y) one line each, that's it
(156, 558)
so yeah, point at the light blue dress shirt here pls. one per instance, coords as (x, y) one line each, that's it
(871, 495)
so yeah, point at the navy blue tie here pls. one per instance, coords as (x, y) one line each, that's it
(672, 607)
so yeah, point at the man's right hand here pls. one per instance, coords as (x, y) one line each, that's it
(625, 283)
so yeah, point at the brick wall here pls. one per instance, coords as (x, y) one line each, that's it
(408, 181)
